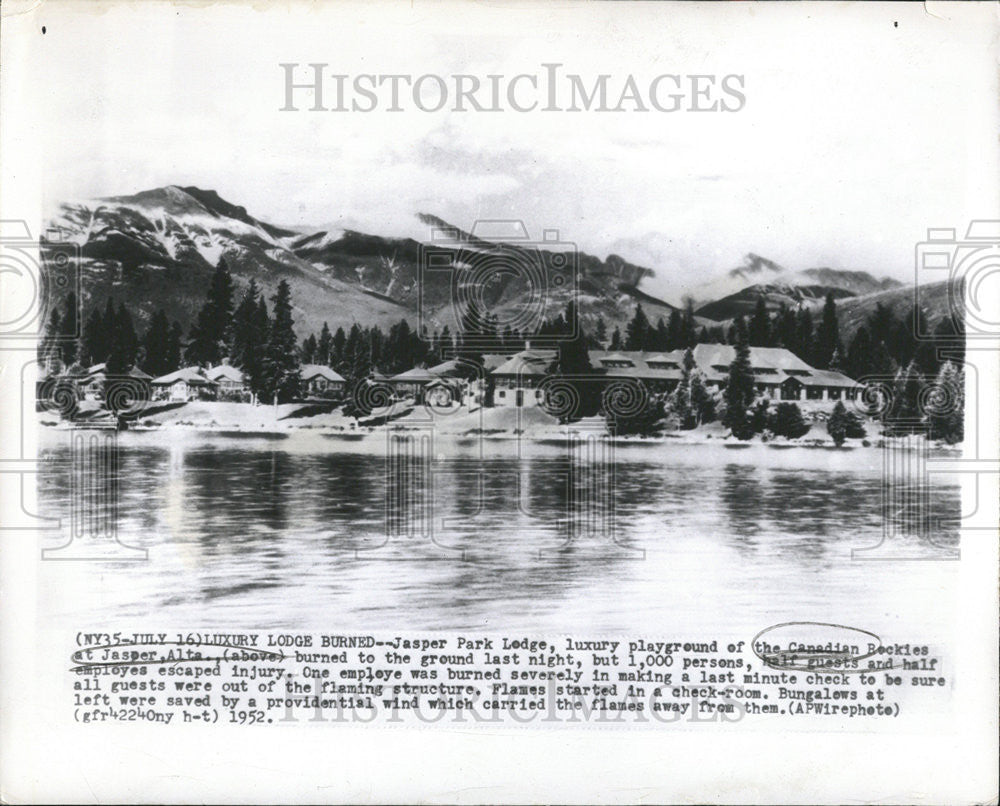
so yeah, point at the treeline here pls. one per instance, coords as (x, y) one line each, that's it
(109, 337)
(910, 364)
(261, 344)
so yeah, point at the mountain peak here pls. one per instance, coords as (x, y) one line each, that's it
(755, 264)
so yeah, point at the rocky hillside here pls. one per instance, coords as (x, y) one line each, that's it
(159, 248)
(738, 290)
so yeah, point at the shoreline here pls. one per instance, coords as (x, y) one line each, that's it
(548, 435)
(217, 419)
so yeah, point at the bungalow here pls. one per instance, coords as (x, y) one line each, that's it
(91, 383)
(517, 381)
(412, 382)
(183, 385)
(318, 379)
(230, 382)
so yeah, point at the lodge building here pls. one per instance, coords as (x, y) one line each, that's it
(778, 373)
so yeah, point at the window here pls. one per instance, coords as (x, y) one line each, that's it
(662, 365)
(502, 393)
(764, 371)
(801, 373)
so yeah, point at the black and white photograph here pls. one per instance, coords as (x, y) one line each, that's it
(571, 391)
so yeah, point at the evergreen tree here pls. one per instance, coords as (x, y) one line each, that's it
(760, 325)
(903, 415)
(254, 353)
(357, 356)
(784, 328)
(901, 343)
(838, 363)
(281, 358)
(69, 331)
(681, 402)
(616, 340)
(247, 340)
(945, 418)
(661, 337)
(857, 364)
(828, 334)
(337, 351)
(156, 345)
(309, 347)
(880, 363)
(124, 343)
(637, 330)
(174, 347)
(882, 323)
(804, 335)
(109, 327)
(855, 427)
(212, 334)
(789, 422)
(927, 351)
(836, 425)
(648, 421)
(48, 347)
(702, 400)
(601, 332)
(674, 330)
(761, 417)
(739, 392)
(689, 330)
(573, 361)
(324, 348)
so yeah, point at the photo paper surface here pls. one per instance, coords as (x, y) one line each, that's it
(499, 402)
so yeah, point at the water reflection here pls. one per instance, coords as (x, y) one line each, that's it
(257, 533)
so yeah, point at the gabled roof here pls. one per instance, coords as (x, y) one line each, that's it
(447, 369)
(310, 371)
(102, 369)
(640, 364)
(706, 355)
(527, 362)
(415, 375)
(618, 357)
(829, 377)
(224, 371)
(446, 382)
(492, 360)
(190, 375)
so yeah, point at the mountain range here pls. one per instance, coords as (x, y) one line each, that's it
(158, 248)
(737, 291)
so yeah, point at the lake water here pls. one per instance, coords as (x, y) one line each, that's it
(329, 534)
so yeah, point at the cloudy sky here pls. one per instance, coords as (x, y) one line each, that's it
(862, 127)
